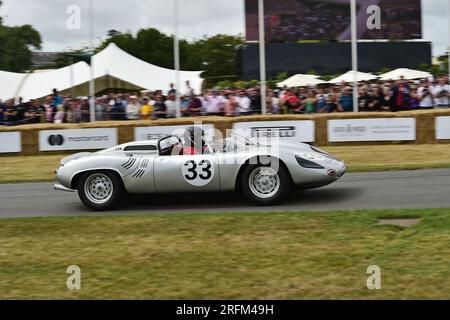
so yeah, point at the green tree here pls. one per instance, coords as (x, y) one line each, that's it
(157, 48)
(16, 42)
(149, 45)
(216, 55)
(282, 76)
(240, 84)
(385, 70)
(424, 67)
(125, 41)
(436, 71)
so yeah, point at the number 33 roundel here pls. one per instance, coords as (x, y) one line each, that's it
(198, 173)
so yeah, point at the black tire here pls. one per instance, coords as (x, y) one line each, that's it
(105, 180)
(271, 198)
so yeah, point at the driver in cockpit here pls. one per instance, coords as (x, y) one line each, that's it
(194, 142)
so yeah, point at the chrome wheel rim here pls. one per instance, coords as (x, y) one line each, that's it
(264, 182)
(98, 188)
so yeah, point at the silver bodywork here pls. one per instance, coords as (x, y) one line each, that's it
(145, 171)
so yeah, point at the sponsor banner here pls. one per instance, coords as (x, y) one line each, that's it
(10, 142)
(382, 129)
(77, 139)
(156, 133)
(443, 128)
(295, 131)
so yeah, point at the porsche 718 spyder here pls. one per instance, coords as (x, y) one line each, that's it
(265, 174)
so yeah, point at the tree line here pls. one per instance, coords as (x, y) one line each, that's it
(15, 46)
(216, 56)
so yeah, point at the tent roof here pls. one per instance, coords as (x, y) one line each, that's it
(300, 80)
(10, 82)
(115, 62)
(40, 84)
(408, 74)
(111, 61)
(349, 77)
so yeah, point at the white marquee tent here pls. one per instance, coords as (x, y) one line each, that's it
(350, 77)
(9, 83)
(300, 80)
(115, 62)
(111, 65)
(408, 74)
(40, 84)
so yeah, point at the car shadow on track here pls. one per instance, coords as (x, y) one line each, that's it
(233, 201)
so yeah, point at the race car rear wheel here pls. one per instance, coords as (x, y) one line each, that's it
(100, 190)
(265, 185)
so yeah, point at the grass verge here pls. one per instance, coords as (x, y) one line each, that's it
(394, 157)
(358, 159)
(228, 256)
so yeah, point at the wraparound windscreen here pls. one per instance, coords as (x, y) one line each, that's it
(294, 20)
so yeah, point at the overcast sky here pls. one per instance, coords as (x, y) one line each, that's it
(197, 18)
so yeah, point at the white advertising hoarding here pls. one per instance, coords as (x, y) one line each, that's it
(159, 132)
(294, 131)
(10, 142)
(77, 139)
(443, 128)
(382, 129)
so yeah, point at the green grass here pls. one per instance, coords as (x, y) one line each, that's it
(29, 168)
(358, 159)
(228, 256)
(394, 157)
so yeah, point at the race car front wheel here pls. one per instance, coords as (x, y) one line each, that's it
(100, 190)
(265, 185)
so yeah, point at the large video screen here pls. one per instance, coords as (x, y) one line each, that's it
(294, 20)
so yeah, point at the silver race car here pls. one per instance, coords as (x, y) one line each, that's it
(263, 173)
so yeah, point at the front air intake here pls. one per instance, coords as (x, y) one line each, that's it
(308, 163)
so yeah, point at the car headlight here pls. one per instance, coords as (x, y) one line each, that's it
(327, 154)
(311, 160)
(313, 156)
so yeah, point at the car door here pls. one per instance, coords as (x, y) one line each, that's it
(187, 173)
(137, 168)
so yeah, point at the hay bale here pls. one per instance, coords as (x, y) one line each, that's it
(125, 134)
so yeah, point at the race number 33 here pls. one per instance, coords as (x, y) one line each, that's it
(198, 173)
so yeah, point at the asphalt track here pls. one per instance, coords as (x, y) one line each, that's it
(381, 190)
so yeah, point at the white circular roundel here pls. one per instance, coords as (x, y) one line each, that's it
(198, 173)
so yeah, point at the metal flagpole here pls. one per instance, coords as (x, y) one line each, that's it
(354, 55)
(91, 45)
(262, 56)
(176, 55)
(449, 42)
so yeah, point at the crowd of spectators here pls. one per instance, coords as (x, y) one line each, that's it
(392, 96)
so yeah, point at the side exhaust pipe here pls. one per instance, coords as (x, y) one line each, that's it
(62, 188)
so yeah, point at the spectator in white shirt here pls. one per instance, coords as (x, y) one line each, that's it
(244, 104)
(133, 108)
(426, 96)
(274, 103)
(215, 104)
(204, 99)
(171, 106)
(442, 91)
(189, 91)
